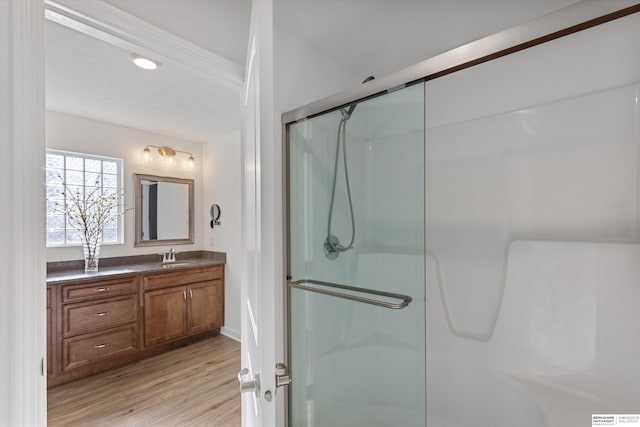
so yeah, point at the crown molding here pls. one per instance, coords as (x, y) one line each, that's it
(102, 21)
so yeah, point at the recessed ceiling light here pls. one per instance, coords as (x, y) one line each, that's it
(143, 62)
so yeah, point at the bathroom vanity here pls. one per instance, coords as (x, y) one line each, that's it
(129, 311)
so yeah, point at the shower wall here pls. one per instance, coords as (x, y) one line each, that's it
(391, 173)
(532, 230)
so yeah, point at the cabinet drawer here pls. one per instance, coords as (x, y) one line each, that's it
(163, 280)
(85, 349)
(95, 315)
(100, 289)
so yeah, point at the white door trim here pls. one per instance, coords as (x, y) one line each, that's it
(23, 389)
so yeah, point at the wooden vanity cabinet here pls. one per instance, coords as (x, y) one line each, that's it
(179, 305)
(100, 324)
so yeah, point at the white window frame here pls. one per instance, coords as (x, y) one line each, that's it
(120, 185)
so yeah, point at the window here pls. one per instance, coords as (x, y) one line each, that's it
(81, 172)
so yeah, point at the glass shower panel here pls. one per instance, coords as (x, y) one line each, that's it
(354, 363)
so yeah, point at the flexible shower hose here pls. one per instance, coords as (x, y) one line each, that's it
(341, 133)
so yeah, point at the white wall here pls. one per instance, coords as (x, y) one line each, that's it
(303, 74)
(73, 133)
(221, 178)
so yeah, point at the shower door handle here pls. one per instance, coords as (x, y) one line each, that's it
(303, 284)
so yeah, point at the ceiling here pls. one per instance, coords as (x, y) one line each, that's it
(91, 78)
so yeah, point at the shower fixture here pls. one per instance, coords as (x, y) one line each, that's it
(332, 246)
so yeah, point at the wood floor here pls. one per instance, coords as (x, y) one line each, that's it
(191, 386)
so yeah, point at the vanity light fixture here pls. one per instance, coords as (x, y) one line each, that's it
(168, 153)
(143, 62)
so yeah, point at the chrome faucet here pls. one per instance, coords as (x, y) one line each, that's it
(169, 256)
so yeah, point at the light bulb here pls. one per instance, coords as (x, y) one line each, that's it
(146, 154)
(144, 63)
(191, 162)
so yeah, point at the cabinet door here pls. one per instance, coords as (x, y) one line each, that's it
(206, 306)
(165, 315)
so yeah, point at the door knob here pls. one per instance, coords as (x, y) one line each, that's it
(247, 384)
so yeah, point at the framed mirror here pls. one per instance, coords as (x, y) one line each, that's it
(163, 210)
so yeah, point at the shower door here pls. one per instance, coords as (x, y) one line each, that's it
(357, 312)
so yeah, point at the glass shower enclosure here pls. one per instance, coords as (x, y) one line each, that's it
(357, 264)
(493, 210)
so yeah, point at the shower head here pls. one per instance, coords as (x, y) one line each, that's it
(346, 113)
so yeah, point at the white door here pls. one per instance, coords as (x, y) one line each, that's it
(262, 279)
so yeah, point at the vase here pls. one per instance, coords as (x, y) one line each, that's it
(91, 256)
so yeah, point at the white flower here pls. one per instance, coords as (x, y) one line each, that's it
(90, 211)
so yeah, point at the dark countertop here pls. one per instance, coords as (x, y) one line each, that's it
(73, 271)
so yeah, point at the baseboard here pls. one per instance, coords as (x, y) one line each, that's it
(231, 333)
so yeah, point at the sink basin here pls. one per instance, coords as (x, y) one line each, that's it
(176, 264)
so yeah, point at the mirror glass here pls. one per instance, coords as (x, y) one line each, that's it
(164, 210)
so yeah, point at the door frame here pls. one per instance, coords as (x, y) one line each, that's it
(23, 390)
